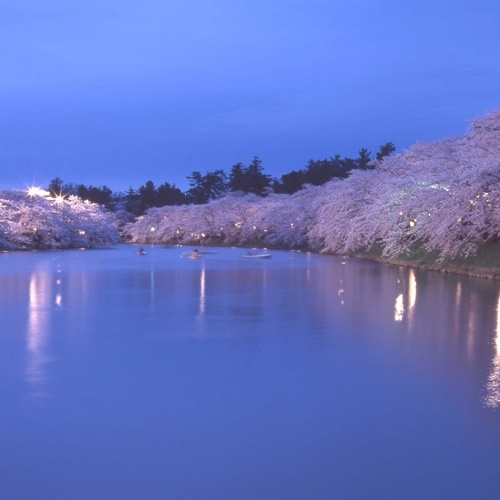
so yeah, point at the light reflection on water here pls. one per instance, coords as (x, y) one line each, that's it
(38, 331)
(291, 368)
(412, 297)
(492, 398)
(239, 294)
(202, 291)
(399, 308)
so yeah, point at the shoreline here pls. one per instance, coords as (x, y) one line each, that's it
(470, 271)
(484, 264)
(422, 260)
(487, 255)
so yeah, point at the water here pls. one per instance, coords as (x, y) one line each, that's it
(299, 377)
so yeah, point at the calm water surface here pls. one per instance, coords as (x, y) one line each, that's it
(299, 377)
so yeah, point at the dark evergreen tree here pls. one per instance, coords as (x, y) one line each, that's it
(237, 178)
(290, 183)
(206, 187)
(251, 179)
(385, 150)
(147, 196)
(363, 160)
(55, 187)
(318, 172)
(256, 180)
(132, 202)
(169, 195)
(68, 188)
(349, 164)
(101, 195)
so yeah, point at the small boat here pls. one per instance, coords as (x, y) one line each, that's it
(195, 254)
(141, 251)
(256, 255)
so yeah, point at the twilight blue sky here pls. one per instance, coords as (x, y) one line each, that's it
(118, 92)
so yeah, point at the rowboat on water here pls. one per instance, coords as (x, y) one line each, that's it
(252, 254)
(195, 254)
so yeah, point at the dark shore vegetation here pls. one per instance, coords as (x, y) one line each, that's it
(484, 264)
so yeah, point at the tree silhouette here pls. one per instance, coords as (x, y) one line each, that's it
(206, 187)
(364, 159)
(237, 180)
(251, 179)
(168, 194)
(55, 187)
(385, 150)
(100, 195)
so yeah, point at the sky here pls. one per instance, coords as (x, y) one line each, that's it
(119, 92)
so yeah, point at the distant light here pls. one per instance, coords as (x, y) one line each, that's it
(36, 191)
(59, 199)
(81, 231)
(152, 229)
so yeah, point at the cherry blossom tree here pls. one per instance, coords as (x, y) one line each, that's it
(38, 220)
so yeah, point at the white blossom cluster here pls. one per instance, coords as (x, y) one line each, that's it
(442, 196)
(37, 220)
(235, 219)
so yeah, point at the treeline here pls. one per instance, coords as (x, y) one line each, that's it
(251, 179)
(440, 197)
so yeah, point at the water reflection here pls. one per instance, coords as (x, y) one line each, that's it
(472, 328)
(399, 308)
(412, 298)
(340, 292)
(152, 284)
(454, 321)
(202, 290)
(458, 295)
(492, 398)
(39, 331)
